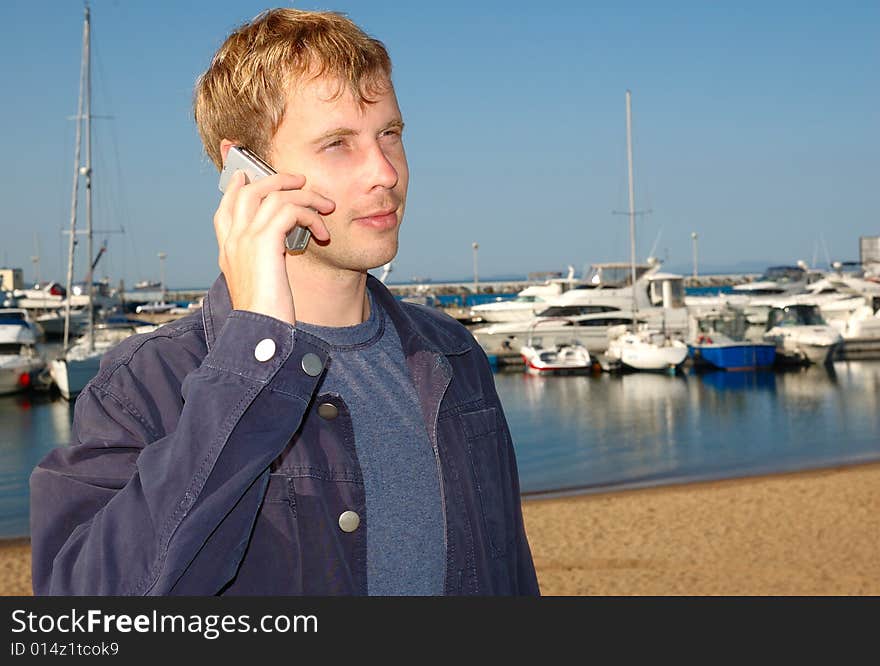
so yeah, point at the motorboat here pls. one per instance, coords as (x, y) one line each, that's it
(610, 285)
(718, 351)
(51, 297)
(52, 322)
(155, 307)
(755, 298)
(560, 357)
(801, 335)
(507, 339)
(647, 349)
(20, 361)
(718, 341)
(777, 281)
(527, 303)
(609, 303)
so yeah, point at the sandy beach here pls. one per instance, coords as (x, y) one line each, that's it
(809, 533)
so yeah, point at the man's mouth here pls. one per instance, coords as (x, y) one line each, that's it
(385, 218)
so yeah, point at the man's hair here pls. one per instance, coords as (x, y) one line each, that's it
(242, 95)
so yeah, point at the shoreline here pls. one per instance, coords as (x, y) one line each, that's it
(814, 532)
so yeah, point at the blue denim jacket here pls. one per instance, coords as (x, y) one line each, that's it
(197, 469)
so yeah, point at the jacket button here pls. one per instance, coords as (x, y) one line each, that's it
(328, 411)
(312, 365)
(264, 350)
(349, 521)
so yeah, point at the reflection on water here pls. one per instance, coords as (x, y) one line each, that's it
(587, 433)
(590, 433)
(30, 426)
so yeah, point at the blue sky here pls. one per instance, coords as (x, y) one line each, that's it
(755, 125)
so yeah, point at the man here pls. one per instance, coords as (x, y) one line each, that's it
(305, 433)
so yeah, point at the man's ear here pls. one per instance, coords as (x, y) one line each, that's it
(225, 145)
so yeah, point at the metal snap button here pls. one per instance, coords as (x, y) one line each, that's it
(328, 411)
(349, 521)
(264, 350)
(312, 365)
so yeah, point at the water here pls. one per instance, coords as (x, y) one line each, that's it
(31, 425)
(595, 433)
(586, 434)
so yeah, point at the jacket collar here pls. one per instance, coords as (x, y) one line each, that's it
(417, 329)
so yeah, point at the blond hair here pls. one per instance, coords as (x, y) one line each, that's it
(243, 94)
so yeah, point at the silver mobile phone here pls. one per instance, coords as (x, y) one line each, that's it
(254, 168)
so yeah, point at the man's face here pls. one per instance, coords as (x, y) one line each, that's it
(353, 155)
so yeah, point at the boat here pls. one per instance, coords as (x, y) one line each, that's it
(598, 308)
(527, 303)
(777, 281)
(644, 347)
(82, 360)
(557, 358)
(20, 362)
(718, 351)
(777, 284)
(720, 340)
(52, 323)
(79, 361)
(507, 339)
(147, 284)
(647, 350)
(155, 307)
(801, 335)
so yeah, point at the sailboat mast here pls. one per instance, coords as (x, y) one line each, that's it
(632, 203)
(76, 169)
(88, 175)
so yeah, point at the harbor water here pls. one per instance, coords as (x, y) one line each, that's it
(583, 434)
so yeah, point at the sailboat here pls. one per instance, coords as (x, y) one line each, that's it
(80, 361)
(633, 347)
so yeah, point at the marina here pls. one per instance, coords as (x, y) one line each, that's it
(584, 434)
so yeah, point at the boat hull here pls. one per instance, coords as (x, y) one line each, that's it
(733, 357)
(71, 376)
(635, 353)
(568, 360)
(18, 375)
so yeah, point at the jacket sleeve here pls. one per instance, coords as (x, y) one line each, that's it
(526, 577)
(160, 488)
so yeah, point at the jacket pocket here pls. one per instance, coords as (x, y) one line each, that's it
(491, 469)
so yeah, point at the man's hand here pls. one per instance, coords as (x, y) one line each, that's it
(251, 224)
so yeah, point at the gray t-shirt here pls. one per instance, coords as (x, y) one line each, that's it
(406, 553)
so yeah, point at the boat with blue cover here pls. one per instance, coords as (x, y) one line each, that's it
(719, 351)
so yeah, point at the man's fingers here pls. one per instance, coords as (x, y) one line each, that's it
(278, 218)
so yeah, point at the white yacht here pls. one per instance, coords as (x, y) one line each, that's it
(594, 309)
(527, 303)
(20, 362)
(778, 284)
(856, 318)
(801, 335)
(777, 281)
(647, 349)
(52, 323)
(558, 357)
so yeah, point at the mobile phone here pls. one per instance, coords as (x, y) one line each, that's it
(254, 168)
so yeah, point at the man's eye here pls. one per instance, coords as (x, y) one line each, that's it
(334, 144)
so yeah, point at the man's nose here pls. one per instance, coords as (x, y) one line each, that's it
(380, 168)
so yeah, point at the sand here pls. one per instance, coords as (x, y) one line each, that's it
(809, 533)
